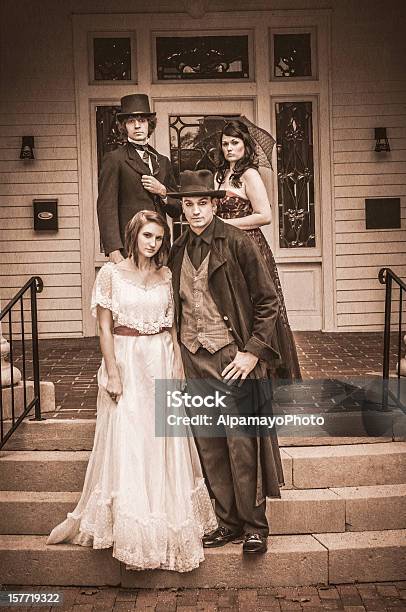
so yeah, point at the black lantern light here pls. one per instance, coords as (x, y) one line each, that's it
(382, 142)
(27, 148)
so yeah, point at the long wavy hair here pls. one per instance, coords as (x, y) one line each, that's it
(238, 129)
(134, 227)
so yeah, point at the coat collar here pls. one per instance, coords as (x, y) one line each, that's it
(217, 257)
(135, 161)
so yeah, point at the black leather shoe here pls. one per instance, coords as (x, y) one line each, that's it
(255, 543)
(220, 537)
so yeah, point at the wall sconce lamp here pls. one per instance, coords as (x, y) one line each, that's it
(27, 148)
(382, 142)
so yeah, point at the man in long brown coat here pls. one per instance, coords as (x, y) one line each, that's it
(226, 306)
(133, 177)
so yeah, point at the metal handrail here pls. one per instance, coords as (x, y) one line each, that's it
(387, 277)
(34, 285)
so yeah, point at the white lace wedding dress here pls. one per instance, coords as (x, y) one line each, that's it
(143, 495)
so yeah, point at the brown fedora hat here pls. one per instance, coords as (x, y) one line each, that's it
(196, 183)
(134, 104)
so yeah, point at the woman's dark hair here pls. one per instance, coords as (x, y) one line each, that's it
(237, 129)
(152, 120)
(134, 227)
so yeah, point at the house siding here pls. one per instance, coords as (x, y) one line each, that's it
(369, 90)
(38, 98)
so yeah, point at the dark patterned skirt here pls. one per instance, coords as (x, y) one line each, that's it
(288, 368)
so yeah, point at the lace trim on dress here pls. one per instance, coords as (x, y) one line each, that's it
(151, 544)
(103, 295)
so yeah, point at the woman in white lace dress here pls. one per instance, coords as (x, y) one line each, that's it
(143, 495)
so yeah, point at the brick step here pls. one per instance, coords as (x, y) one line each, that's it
(318, 467)
(78, 434)
(297, 512)
(371, 556)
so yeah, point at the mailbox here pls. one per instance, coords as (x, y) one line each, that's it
(45, 215)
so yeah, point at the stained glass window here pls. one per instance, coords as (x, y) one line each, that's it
(295, 169)
(112, 59)
(292, 55)
(202, 57)
(108, 136)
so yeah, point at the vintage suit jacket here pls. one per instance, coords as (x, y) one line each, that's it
(121, 194)
(245, 296)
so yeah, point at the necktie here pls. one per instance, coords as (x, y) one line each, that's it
(145, 157)
(145, 153)
(196, 251)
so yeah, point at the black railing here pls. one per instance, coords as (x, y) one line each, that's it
(13, 317)
(388, 278)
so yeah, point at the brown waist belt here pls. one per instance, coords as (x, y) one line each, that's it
(122, 330)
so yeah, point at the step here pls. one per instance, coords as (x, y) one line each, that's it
(27, 560)
(297, 512)
(60, 470)
(347, 466)
(53, 434)
(373, 508)
(43, 470)
(310, 467)
(298, 560)
(291, 560)
(32, 512)
(366, 508)
(78, 434)
(369, 556)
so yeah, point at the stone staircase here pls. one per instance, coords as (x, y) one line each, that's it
(342, 516)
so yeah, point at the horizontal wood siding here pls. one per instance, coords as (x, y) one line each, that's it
(47, 113)
(361, 173)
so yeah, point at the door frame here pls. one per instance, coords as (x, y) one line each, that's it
(262, 89)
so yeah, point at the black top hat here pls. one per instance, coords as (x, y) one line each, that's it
(195, 183)
(134, 104)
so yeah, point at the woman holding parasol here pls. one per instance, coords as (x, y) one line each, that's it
(242, 147)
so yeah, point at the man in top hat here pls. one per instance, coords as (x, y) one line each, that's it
(226, 307)
(133, 177)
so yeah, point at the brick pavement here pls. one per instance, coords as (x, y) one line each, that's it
(72, 363)
(369, 597)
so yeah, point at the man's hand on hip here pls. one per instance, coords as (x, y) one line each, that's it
(240, 367)
(115, 257)
(151, 184)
